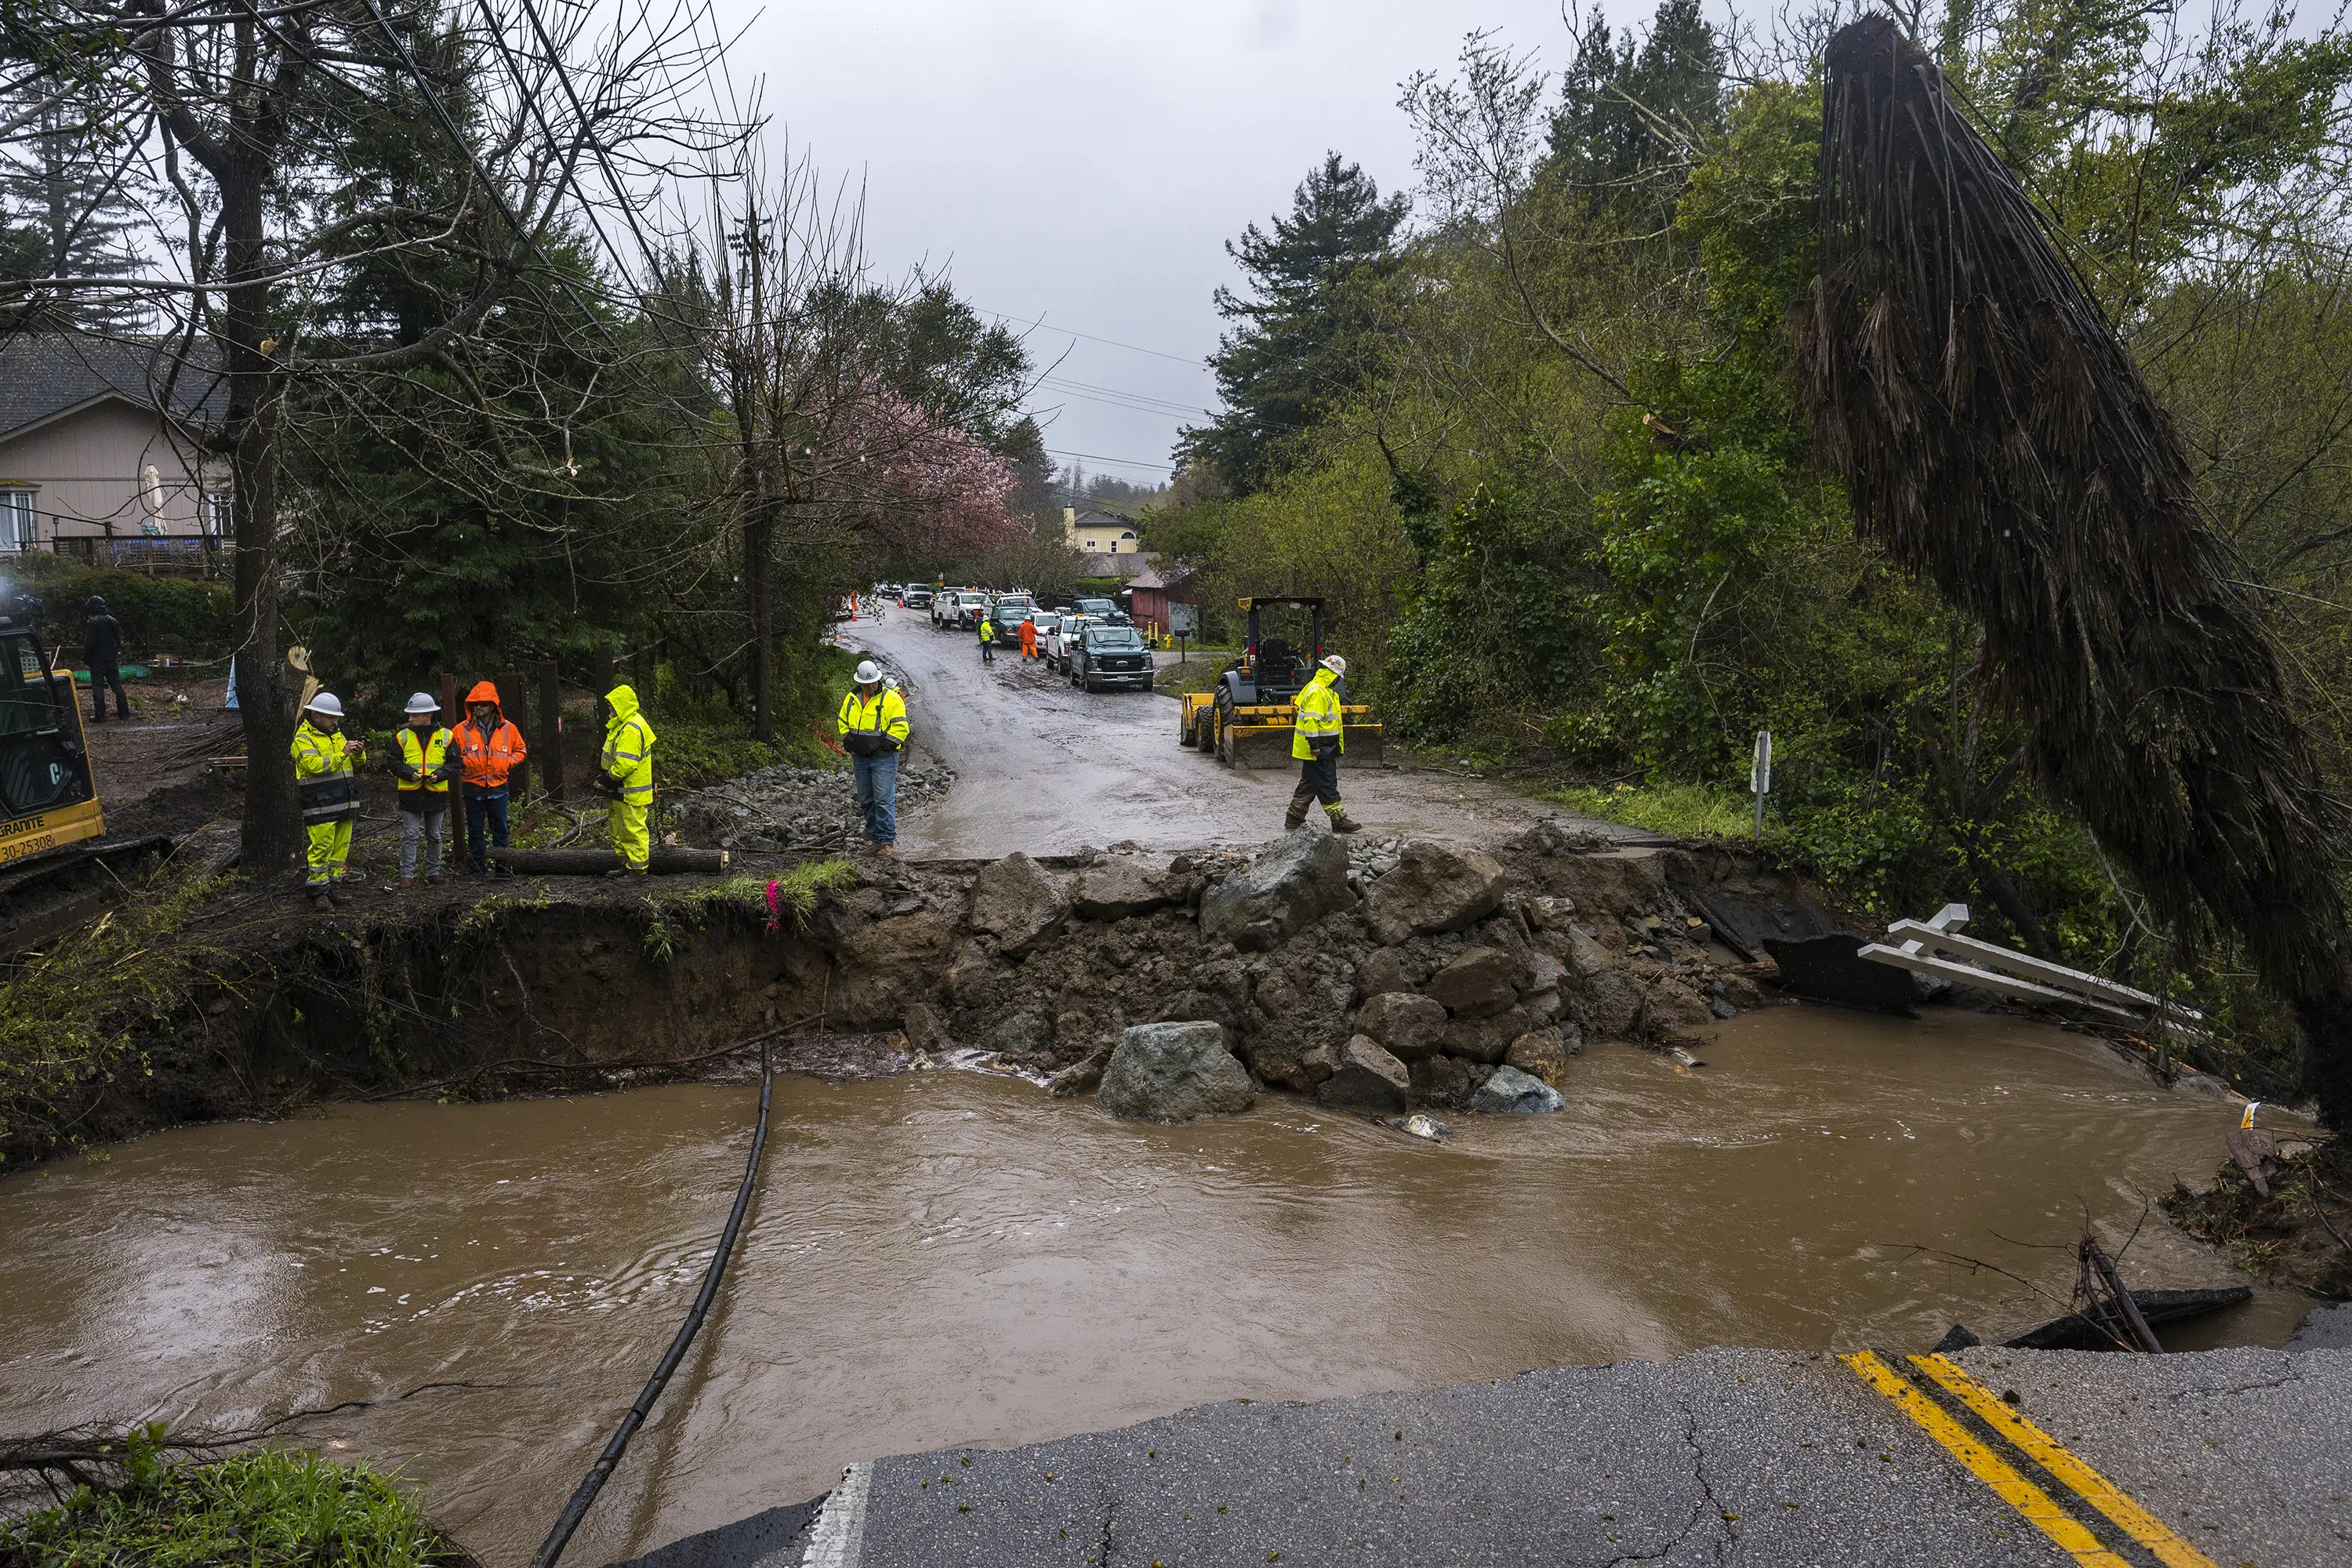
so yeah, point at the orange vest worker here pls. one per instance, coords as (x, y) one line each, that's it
(487, 759)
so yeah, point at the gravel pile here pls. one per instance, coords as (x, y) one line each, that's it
(780, 808)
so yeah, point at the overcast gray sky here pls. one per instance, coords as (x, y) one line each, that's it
(1082, 161)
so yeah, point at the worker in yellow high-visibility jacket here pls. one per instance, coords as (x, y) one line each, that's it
(328, 796)
(628, 778)
(1318, 738)
(873, 731)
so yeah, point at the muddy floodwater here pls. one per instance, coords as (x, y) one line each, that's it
(948, 1257)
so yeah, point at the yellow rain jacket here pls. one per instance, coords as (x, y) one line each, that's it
(866, 723)
(1318, 711)
(330, 801)
(628, 758)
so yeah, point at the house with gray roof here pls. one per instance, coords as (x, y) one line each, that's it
(100, 451)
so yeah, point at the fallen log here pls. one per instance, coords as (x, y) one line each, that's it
(663, 860)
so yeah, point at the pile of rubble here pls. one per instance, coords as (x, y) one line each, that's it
(809, 810)
(1379, 978)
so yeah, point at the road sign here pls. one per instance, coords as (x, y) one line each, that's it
(1185, 620)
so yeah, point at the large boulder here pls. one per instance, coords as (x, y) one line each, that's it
(1367, 1078)
(1511, 1091)
(1541, 1054)
(1478, 984)
(1117, 888)
(1444, 1081)
(1173, 1072)
(1432, 889)
(1289, 887)
(1288, 1060)
(1486, 1039)
(1015, 902)
(1409, 1026)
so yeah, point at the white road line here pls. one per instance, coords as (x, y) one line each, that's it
(840, 1534)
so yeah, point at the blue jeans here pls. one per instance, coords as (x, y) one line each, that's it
(484, 806)
(877, 796)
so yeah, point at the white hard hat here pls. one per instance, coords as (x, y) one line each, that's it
(1334, 664)
(423, 703)
(868, 672)
(326, 702)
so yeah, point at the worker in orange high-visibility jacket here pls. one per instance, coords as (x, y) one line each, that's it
(628, 779)
(1028, 639)
(488, 748)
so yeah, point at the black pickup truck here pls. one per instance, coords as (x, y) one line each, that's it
(1110, 657)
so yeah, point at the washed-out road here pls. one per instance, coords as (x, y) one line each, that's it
(1784, 1459)
(1044, 768)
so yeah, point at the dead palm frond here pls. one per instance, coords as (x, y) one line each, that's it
(1994, 435)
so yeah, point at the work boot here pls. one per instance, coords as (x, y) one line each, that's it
(1341, 822)
(318, 900)
(407, 883)
(434, 880)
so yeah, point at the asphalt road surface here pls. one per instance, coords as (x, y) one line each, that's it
(2230, 1457)
(1048, 769)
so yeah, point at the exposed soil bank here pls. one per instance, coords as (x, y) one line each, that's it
(1044, 960)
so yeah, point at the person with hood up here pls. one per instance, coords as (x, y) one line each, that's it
(628, 779)
(874, 731)
(329, 798)
(102, 645)
(489, 749)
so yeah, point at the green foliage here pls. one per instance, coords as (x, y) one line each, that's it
(703, 739)
(271, 1508)
(159, 614)
(70, 1016)
(1297, 346)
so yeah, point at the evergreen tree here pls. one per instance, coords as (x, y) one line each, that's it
(1291, 354)
(1628, 115)
(66, 212)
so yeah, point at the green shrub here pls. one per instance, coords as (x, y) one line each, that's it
(271, 1508)
(159, 614)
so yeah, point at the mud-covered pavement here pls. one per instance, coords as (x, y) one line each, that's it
(1045, 768)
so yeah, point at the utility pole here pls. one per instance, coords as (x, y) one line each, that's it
(757, 415)
(1759, 775)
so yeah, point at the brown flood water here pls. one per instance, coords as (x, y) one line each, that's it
(950, 1258)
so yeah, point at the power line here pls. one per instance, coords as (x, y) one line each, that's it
(1193, 360)
(1116, 462)
(1142, 401)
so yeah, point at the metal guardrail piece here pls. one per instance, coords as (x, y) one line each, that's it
(1935, 947)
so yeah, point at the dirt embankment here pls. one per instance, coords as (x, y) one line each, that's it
(566, 983)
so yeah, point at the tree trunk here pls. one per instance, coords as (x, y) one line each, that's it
(272, 826)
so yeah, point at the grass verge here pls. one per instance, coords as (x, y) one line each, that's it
(1678, 810)
(270, 1509)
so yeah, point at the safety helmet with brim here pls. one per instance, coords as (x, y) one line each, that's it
(326, 703)
(868, 673)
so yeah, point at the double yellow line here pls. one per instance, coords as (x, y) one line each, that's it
(1987, 1465)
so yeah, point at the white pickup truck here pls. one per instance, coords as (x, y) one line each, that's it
(1061, 642)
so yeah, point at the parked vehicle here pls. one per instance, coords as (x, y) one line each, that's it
(1111, 657)
(1107, 611)
(1061, 644)
(1011, 608)
(914, 597)
(957, 609)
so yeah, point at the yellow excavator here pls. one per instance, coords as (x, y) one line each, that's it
(48, 795)
(1247, 721)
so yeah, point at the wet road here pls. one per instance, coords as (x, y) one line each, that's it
(949, 1258)
(1047, 769)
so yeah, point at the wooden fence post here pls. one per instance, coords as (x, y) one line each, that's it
(550, 729)
(600, 675)
(514, 704)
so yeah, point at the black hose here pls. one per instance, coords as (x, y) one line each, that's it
(602, 1470)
